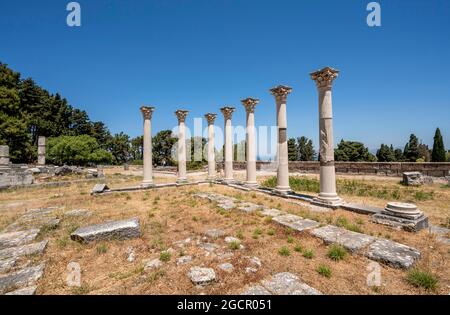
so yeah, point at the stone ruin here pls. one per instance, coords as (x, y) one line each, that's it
(404, 216)
(416, 179)
(10, 174)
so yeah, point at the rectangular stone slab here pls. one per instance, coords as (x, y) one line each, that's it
(295, 222)
(286, 283)
(7, 264)
(24, 250)
(25, 291)
(393, 254)
(17, 238)
(256, 290)
(124, 229)
(350, 240)
(20, 279)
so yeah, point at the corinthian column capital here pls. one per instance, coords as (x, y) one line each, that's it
(227, 112)
(181, 115)
(211, 118)
(147, 112)
(324, 78)
(250, 104)
(281, 92)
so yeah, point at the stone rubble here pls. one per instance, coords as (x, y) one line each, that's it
(152, 264)
(201, 276)
(184, 260)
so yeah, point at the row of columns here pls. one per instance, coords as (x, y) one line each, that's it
(323, 78)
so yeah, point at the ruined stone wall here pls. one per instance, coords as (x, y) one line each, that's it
(363, 168)
(15, 176)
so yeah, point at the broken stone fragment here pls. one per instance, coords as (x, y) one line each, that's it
(25, 291)
(17, 238)
(214, 233)
(201, 276)
(24, 250)
(393, 254)
(184, 260)
(152, 264)
(20, 279)
(125, 229)
(286, 283)
(227, 267)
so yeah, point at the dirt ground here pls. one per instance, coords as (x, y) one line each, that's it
(173, 214)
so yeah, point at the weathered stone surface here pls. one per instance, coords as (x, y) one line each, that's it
(152, 264)
(184, 260)
(441, 234)
(23, 278)
(295, 222)
(183, 243)
(286, 283)
(78, 213)
(23, 250)
(13, 239)
(256, 290)
(99, 188)
(360, 208)
(272, 212)
(350, 240)
(209, 247)
(227, 267)
(202, 276)
(231, 239)
(254, 261)
(416, 179)
(404, 216)
(214, 233)
(249, 207)
(35, 219)
(124, 229)
(7, 264)
(251, 270)
(25, 291)
(393, 254)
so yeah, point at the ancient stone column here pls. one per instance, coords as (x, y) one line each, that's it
(41, 151)
(4, 155)
(211, 118)
(250, 104)
(324, 79)
(182, 175)
(147, 113)
(281, 92)
(228, 145)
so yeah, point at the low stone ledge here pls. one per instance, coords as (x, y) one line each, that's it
(393, 254)
(125, 229)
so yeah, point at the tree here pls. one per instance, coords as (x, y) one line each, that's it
(398, 153)
(305, 149)
(163, 143)
(438, 154)
(119, 146)
(386, 154)
(411, 152)
(101, 133)
(352, 151)
(76, 150)
(424, 153)
(137, 148)
(292, 150)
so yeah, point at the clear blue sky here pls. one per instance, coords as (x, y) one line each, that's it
(203, 54)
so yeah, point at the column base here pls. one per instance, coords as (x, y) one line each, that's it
(282, 190)
(328, 201)
(251, 185)
(147, 184)
(181, 181)
(229, 180)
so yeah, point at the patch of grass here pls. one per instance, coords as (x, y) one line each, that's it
(62, 242)
(324, 271)
(290, 240)
(423, 195)
(258, 232)
(284, 251)
(296, 183)
(298, 248)
(341, 222)
(336, 252)
(234, 245)
(309, 254)
(422, 279)
(271, 232)
(194, 218)
(82, 290)
(165, 256)
(355, 228)
(154, 276)
(102, 249)
(240, 235)
(267, 220)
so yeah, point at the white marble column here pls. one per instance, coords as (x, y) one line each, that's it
(250, 104)
(228, 144)
(41, 151)
(211, 118)
(324, 79)
(147, 113)
(182, 174)
(281, 92)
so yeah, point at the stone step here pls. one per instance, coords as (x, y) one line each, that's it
(284, 283)
(295, 222)
(13, 239)
(352, 241)
(393, 254)
(24, 250)
(23, 278)
(124, 229)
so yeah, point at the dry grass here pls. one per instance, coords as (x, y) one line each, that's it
(173, 214)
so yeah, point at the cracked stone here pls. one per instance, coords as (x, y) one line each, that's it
(209, 247)
(184, 260)
(286, 283)
(24, 250)
(393, 254)
(256, 290)
(350, 240)
(22, 278)
(201, 276)
(124, 229)
(14, 239)
(272, 212)
(25, 291)
(248, 207)
(295, 222)
(7, 264)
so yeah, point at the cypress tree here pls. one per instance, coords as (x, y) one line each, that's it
(438, 154)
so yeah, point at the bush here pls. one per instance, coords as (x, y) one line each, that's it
(324, 271)
(165, 256)
(422, 279)
(308, 254)
(284, 251)
(337, 252)
(76, 150)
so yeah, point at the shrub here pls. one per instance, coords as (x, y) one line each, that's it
(234, 245)
(422, 279)
(290, 240)
(337, 252)
(324, 270)
(298, 248)
(101, 249)
(165, 256)
(309, 254)
(284, 251)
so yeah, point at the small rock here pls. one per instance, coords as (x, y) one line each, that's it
(184, 260)
(231, 239)
(227, 267)
(209, 247)
(255, 261)
(201, 276)
(131, 254)
(256, 290)
(78, 213)
(215, 233)
(152, 264)
(251, 270)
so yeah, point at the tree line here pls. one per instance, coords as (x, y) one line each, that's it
(28, 111)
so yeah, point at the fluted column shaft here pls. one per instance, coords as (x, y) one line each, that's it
(211, 146)
(182, 171)
(250, 105)
(228, 143)
(147, 113)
